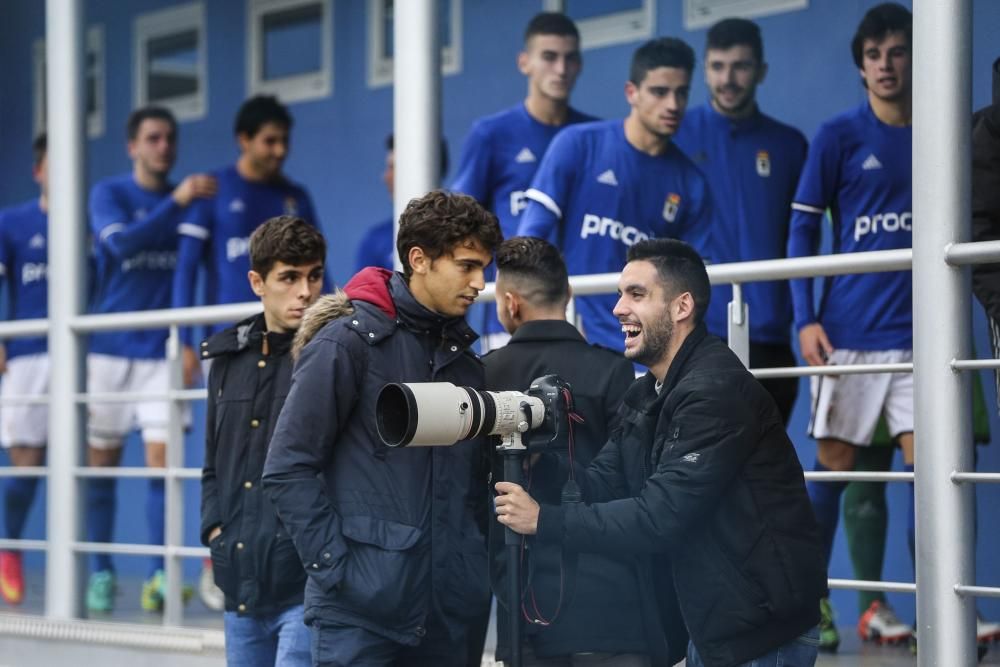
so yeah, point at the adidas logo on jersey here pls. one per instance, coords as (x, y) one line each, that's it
(237, 206)
(525, 156)
(608, 178)
(37, 241)
(871, 162)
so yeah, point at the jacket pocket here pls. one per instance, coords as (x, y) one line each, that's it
(222, 570)
(387, 570)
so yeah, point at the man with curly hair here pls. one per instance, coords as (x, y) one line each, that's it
(395, 556)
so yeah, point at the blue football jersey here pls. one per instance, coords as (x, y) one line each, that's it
(217, 236)
(135, 253)
(752, 166)
(595, 195)
(860, 169)
(24, 253)
(500, 157)
(218, 231)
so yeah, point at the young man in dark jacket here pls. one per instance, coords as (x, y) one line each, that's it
(254, 561)
(389, 537)
(701, 470)
(590, 604)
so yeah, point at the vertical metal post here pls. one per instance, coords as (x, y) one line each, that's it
(64, 61)
(173, 603)
(942, 38)
(739, 326)
(416, 101)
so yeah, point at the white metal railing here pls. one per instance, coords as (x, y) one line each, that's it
(736, 273)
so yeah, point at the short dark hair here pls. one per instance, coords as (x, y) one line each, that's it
(288, 239)
(258, 111)
(537, 267)
(40, 148)
(136, 118)
(660, 52)
(878, 22)
(551, 23)
(439, 221)
(680, 268)
(390, 145)
(728, 33)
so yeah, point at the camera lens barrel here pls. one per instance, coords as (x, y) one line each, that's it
(439, 413)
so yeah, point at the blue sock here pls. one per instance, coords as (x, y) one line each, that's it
(101, 502)
(825, 498)
(911, 526)
(18, 494)
(155, 506)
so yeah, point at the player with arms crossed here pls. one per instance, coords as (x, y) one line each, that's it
(752, 163)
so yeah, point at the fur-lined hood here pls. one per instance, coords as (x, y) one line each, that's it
(370, 285)
(327, 308)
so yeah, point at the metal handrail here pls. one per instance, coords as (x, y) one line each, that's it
(23, 545)
(124, 549)
(846, 369)
(868, 585)
(736, 273)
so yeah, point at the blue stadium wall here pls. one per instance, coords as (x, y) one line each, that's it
(337, 152)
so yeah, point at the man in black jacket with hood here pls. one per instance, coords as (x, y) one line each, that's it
(253, 559)
(702, 470)
(395, 556)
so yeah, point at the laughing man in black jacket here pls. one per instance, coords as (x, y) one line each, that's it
(254, 561)
(702, 469)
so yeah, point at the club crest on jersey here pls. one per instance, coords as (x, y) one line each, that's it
(763, 164)
(291, 206)
(671, 206)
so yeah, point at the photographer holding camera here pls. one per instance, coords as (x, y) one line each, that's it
(701, 472)
(604, 617)
(396, 561)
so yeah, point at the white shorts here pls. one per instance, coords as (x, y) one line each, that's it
(25, 425)
(109, 423)
(847, 407)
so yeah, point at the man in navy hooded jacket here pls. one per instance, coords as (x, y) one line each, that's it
(395, 558)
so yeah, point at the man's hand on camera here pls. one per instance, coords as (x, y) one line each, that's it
(516, 509)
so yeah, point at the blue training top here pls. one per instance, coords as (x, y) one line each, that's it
(217, 235)
(595, 195)
(499, 159)
(135, 252)
(24, 252)
(859, 168)
(752, 166)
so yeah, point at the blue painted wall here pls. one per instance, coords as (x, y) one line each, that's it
(337, 152)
